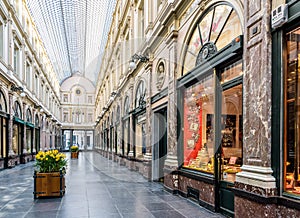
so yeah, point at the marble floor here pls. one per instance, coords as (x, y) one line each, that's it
(95, 188)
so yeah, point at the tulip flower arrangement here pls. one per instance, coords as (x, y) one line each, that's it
(50, 161)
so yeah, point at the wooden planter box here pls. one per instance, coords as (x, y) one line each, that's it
(74, 155)
(49, 184)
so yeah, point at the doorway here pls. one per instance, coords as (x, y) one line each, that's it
(229, 138)
(160, 144)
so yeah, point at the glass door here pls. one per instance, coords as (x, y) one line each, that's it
(229, 141)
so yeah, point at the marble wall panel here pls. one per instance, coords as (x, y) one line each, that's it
(257, 85)
(256, 190)
(246, 208)
(254, 7)
(206, 191)
(249, 209)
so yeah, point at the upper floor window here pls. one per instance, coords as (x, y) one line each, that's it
(65, 118)
(1, 39)
(90, 118)
(28, 75)
(90, 99)
(65, 98)
(141, 20)
(16, 59)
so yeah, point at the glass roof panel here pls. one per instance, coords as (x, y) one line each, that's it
(74, 33)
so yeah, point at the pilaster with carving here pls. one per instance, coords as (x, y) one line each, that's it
(132, 133)
(256, 169)
(172, 159)
(10, 124)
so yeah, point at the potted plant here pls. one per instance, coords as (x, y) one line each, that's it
(49, 180)
(74, 151)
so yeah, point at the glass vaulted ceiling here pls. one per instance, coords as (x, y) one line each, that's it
(74, 33)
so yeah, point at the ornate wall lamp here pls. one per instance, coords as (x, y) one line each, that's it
(20, 89)
(136, 57)
(39, 108)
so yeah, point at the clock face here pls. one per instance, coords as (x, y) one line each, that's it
(78, 92)
(205, 52)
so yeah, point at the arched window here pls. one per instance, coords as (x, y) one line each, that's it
(214, 30)
(126, 106)
(28, 116)
(140, 95)
(17, 110)
(37, 121)
(3, 107)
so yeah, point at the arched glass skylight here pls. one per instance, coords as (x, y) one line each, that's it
(74, 33)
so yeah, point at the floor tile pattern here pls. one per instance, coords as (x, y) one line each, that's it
(95, 188)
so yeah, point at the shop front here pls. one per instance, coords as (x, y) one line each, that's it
(3, 132)
(210, 120)
(285, 112)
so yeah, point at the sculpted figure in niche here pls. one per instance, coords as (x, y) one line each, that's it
(160, 75)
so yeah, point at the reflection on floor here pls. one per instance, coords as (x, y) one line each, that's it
(95, 187)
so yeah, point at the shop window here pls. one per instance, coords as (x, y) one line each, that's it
(2, 103)
(17, 110)
(216, 29)
(37, 121)
(28, 116)
(198, 136)
(231, 132)
(292, 114)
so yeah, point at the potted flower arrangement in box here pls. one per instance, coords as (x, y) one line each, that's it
(74, 151)
(49, 178)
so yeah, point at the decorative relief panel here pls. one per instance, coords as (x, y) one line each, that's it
(254, 7)
(160, 75)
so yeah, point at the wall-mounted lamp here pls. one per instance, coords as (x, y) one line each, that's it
(38, 107)
(142, 58)
(18, 89)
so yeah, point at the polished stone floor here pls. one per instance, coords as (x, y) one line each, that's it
(95, 187)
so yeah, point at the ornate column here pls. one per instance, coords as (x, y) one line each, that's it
(172, 159)
(256, 175)
(10, 40)
(43, 134)
(33, 131)
(148, 155)
(131, 117)
(24, 131)
(10, 124)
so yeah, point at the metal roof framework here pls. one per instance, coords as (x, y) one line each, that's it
(74, 33)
